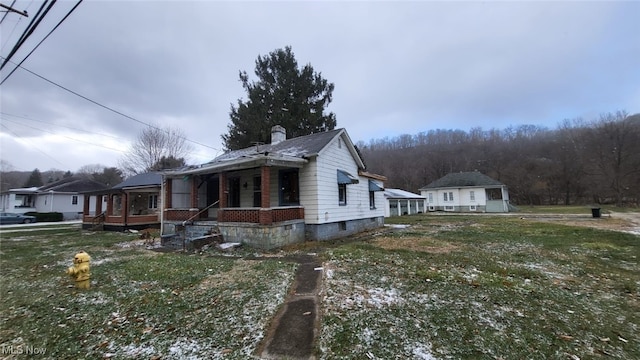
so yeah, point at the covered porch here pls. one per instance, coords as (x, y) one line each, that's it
(254, 201)
(119, 210)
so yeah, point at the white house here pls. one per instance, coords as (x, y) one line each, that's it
(63, 196)
(311, 187)
(466, 192)
(18, 200)
(401, 202)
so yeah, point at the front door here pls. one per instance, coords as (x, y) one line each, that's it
(234, 192)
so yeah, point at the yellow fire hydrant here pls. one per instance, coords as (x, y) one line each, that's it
(80, 270)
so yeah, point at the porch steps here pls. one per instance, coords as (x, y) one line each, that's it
(192, 237)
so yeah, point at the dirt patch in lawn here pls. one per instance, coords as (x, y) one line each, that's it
(415, 243)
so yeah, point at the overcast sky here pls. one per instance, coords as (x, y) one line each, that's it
(398, 68)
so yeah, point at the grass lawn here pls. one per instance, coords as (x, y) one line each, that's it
(142, 304)
(446, 287)
(483, 288)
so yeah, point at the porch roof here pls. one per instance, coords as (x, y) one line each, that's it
(247, 161)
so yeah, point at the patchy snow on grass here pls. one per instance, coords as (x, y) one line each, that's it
(422, 352)
(92, 298)
(184, 348)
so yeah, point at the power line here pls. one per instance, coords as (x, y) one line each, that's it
(7, 12)
(106, 107)
(63, 126)
(64, 136)
(35, 147)
(28, 31)
(41, 41)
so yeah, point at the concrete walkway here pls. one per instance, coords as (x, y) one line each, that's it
(293, 331)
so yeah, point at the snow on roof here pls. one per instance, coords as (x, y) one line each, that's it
(400, 194)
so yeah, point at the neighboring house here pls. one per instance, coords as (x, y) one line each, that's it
(466, 192)
(64, 196)
(19, 200)
(133, 204)
(400, 202)
(311, 187)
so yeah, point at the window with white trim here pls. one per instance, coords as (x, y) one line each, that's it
(342, 194)
(74, 200)
(472, 195)
(153, 201)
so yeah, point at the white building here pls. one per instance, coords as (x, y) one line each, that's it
(63, 196)
(466, 192)
(311, 187)
(401, 202)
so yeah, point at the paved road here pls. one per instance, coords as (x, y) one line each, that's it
(7, 228)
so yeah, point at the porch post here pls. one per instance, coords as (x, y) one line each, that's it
(99, 199)
(265, 185)
(266, 213)
(85, 205)
(222, 187)
(194, 192)
(167, 194)
(109, 204)
(125, 207)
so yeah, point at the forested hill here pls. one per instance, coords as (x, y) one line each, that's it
(579, 162)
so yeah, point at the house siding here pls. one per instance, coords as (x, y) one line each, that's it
(462, 200)
(326, 208)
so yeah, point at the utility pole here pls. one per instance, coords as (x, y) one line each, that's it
(9, 8)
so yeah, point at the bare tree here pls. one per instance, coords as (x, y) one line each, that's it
(151, 146)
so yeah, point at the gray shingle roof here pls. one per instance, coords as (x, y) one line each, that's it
(297, 147)
(73, 184)
(146, 179)
(461, 179)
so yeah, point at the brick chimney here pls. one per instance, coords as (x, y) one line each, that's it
(278, 134)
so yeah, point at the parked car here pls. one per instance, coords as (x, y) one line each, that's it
(13, 218)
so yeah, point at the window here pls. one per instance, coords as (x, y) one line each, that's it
(446, 197)
(74, 200)
(472, 195)
(450, 196)
(289, 192)
(430, 197)
(153, 201)
(116, 205)
(342, 194)
(372, 200)
(472, 208)
(257, 191)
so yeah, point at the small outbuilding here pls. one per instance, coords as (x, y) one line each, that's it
(466, 192)
(400, 202)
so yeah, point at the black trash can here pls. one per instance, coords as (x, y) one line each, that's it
(595, 212)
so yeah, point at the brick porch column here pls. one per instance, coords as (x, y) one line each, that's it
(194, 192)
(167, 194)
(109, 204)
(223, 190)
(99, 204)
(125, 207)
(85, 205)
(265, 185)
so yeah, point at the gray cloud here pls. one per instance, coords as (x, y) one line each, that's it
(398, 67)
